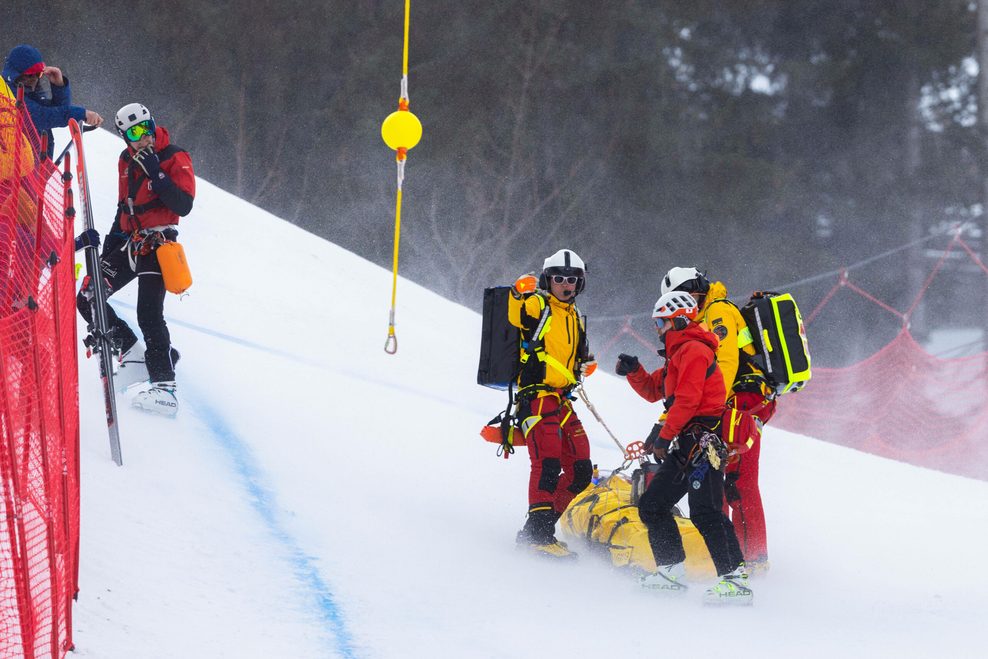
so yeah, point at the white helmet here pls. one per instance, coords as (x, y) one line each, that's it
(678, 306)
(564, 262)
(130, 115)
(690, 280)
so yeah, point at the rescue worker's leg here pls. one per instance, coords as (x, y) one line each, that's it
(117, 273)
(741, 487)
(577, 470)
(151, 318)
(707, 514)
(655, 509)
(544, 441)
(745, 500)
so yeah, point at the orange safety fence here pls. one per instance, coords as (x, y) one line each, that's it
(39, 407)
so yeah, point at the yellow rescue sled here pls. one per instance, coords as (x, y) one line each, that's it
(604, 517)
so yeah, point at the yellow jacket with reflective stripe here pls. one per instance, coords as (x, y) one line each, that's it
(724, 319)
(561, 335)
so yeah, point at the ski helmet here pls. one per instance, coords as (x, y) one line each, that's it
(690, 280)
(678, 306)
(131, 115)
(565, 262)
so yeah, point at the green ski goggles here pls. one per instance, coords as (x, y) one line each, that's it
(139, 130)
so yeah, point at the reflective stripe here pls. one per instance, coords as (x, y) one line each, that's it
(568, 415)
(558, 365)
(744, 337)
(528, 424)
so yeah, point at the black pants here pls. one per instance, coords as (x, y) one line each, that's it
(706, 499)
(117, 271)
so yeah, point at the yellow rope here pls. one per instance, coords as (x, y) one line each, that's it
(391, 344)
(404, 55)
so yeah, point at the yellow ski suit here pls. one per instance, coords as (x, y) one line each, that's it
(562, 337)
(723, 318)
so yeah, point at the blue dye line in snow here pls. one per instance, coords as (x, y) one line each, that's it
(262, 501)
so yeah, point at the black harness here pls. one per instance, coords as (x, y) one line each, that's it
(135, 179)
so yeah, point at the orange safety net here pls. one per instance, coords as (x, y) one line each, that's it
(39, 408)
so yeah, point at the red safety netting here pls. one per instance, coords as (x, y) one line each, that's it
(39, 409)
(901, 402)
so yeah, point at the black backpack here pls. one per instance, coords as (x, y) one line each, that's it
(779, 338)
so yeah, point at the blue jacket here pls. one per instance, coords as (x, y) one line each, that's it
(49, 105)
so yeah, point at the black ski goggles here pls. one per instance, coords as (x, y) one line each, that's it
(139, 130)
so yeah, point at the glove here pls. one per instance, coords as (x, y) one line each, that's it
(147, 160)
(588, 367)
(88, 238)
(653, 436)
(626, 364)
(524, 285)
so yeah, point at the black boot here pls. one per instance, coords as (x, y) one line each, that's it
(538, 533)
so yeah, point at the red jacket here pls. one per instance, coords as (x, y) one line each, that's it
(160, 202)
(689, 356)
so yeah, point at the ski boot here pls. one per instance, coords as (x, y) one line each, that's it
(553, 549)
(757, 568)
(732, 589)
(537, 536)
(666, 579)
(130, 367)
(157, 397)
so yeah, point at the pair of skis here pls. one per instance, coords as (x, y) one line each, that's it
(101, 326)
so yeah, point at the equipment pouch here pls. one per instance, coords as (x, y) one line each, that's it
(174, 267)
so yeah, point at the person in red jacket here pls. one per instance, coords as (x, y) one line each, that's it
(156, 187)
(748, 390)
(689, 453)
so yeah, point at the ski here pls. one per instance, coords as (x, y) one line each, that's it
(101, 342)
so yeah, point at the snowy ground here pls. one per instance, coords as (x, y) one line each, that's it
(318, 498)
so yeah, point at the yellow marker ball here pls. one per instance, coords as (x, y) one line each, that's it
(401, 129)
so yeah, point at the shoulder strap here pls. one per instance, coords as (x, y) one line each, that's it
(134, 183)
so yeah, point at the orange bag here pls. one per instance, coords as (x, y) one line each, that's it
(174, 268)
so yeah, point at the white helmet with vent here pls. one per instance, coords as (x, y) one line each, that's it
(565, 262)
(131, 115)
(690, 280)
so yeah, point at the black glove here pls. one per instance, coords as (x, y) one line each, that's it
(147, 160)
(652, 438)
(626, 364)
(88, 238)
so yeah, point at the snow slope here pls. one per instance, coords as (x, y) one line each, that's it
(318, 498)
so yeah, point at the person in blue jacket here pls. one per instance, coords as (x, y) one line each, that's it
(46, 92)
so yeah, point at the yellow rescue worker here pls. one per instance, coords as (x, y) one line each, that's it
(554, 357)
(746, 390)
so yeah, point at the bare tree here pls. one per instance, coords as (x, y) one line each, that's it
(520, 184)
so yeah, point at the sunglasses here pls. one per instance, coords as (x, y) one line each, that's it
(137, 131)
(560, 279)
(28, 79)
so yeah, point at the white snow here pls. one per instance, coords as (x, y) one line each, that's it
(319, 498)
